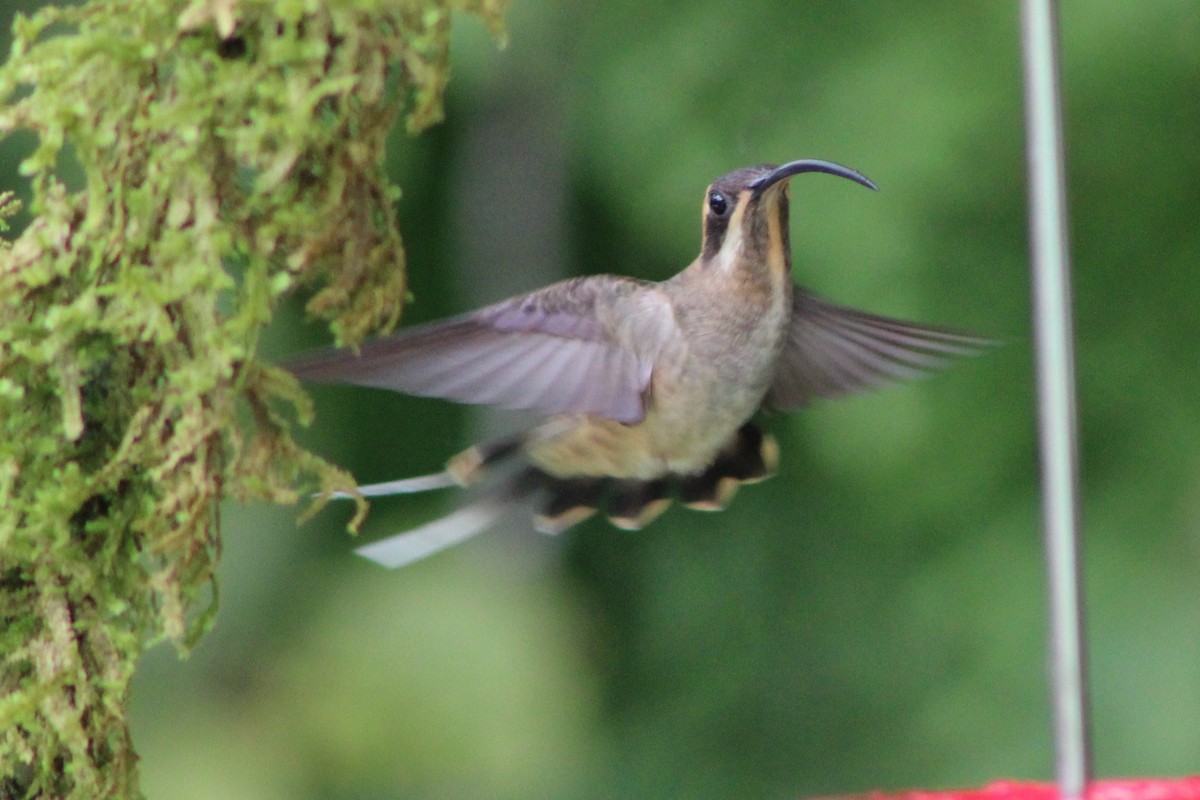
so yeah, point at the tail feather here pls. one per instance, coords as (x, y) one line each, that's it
(752, 456)
(749, 456)
(711, 490)
(454, 528)
(569, 502)
(471, 464)
(462, 470)
(635, 504)
(405, 548)
(421, 483)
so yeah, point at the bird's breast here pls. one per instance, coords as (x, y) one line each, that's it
(704, 386)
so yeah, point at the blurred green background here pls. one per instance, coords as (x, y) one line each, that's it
(870, 618)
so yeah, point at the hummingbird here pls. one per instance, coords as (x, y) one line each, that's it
(648, 389)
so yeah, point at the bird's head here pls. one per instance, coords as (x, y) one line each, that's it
(746, 212)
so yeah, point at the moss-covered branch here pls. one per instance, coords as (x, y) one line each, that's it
(231, 150)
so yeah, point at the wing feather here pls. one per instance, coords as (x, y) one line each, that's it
(832, 351)
(561, 350)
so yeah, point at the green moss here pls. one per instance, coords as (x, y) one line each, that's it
(231, 151)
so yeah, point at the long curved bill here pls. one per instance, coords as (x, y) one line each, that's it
(809, 165)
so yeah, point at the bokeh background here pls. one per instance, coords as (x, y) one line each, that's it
(870, 618)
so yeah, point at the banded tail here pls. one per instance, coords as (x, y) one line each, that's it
(559, 503)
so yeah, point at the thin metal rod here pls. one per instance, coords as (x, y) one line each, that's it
(1056, 393)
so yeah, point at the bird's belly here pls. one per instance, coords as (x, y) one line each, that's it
(681, 435)
(699, 397)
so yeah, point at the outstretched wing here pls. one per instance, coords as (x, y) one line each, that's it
(832, 350)
(566, 349)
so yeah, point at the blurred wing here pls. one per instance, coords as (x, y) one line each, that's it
(556, 351)
(833, 351)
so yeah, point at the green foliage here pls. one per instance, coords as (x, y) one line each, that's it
(230, 151)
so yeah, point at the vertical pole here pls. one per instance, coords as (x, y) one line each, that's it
(1056, 392)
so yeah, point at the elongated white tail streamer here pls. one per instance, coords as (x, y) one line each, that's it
(405, 548)
(421, 483)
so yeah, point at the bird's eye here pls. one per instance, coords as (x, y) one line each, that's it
(718, 203)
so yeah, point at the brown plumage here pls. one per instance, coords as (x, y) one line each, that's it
(649, 388)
